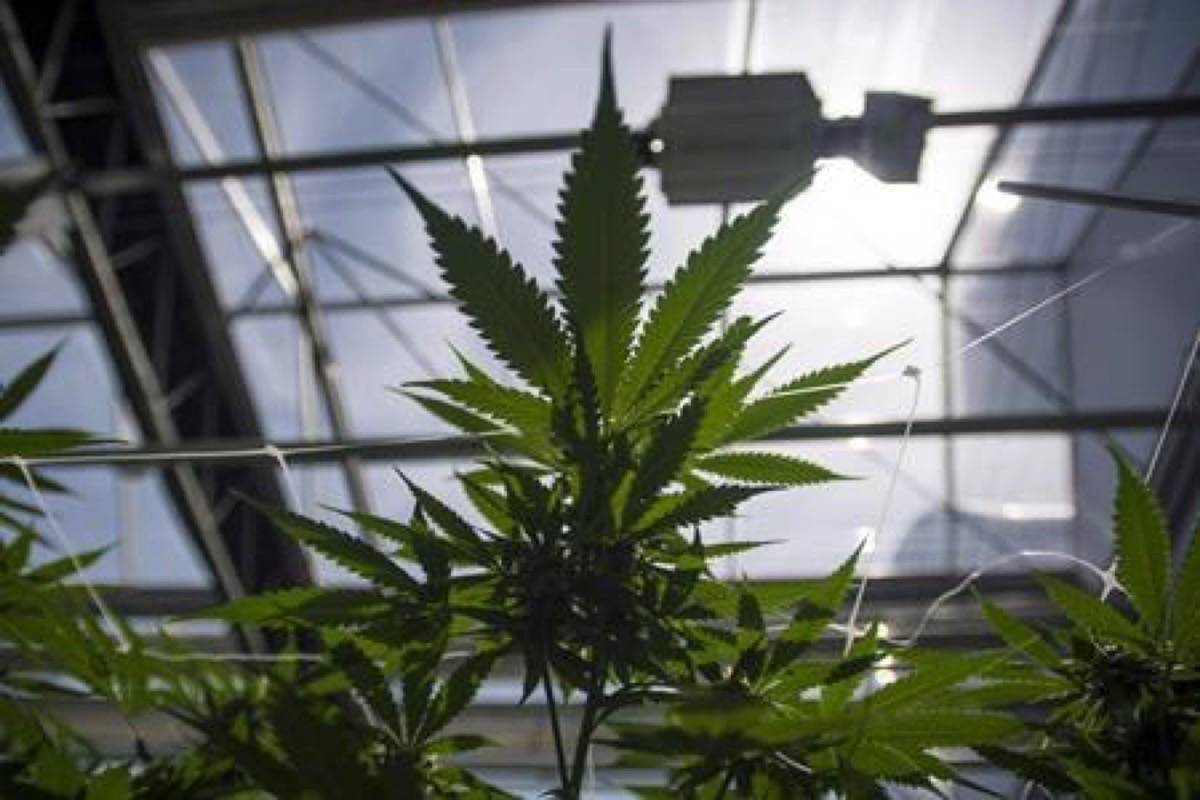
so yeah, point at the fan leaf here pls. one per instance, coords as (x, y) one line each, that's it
(797, 399)
(603, 235)
(340, 547)
(1143, 549)
(504, 304)
(692, 302)
(771, 468)
(27, 380)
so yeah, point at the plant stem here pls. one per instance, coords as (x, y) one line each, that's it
(582, 746)
(559, 752)
(725, 785)
(591, 706)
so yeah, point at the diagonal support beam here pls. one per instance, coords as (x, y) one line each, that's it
(113, 314)
(283, 199)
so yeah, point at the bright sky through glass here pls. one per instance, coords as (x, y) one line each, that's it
(534, 71)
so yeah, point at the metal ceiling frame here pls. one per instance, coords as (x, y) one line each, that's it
(287, 210)
(77, 90)
(131, 25)
(119, 181)
(435, 447)
(133, 360)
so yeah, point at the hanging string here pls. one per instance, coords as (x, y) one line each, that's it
(289, 481)
(70, 553)
(1184, 376)
(1131, 252)
(266, 451)
(1107, 580)
(871, 538)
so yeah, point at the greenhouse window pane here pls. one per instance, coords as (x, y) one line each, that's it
(80, 391)
(817, 527)
(373, 360)
(201, 102)
(1023, 369)
(36, 280)
(829, 322)
(1015, 492)
(337, 88)
(240, 235)
(366, 235)
(508, 97)
(282, 383)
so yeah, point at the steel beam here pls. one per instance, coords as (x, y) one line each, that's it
(427, 297)
(453, 446)
(394, 302)
(120, 181)
(1090, 197)
(283, 199)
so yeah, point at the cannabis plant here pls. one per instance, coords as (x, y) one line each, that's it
(768, 716)
(1120, 682)
(611, 441)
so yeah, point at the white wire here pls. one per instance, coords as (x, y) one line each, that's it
(265, 451)
(1184, 375)
(70, 552)
(1107, 579)
(872, 537)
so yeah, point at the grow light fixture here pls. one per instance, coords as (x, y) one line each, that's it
(733, 139)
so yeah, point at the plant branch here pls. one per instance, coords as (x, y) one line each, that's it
(595, 694)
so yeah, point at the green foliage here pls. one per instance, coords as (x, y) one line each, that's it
(768, 717)
(337, 730)
(1120, 697)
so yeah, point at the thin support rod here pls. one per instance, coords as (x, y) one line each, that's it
(782, 278)
(284, 201)
(442, 447)
(1091, 197)
(136, 180)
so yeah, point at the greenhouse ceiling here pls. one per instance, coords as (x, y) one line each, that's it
(242, 273)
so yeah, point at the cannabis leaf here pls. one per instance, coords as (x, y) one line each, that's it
(602, 246)
(1143, 549)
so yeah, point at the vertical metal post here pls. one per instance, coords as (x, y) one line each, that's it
(283, 199)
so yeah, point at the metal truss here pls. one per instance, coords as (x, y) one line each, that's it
(149, 287)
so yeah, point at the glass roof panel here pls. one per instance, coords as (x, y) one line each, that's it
(532, 71)
(1025, 368)
(201, 102)
(239, 233)
(829, 322)
(412, 345)
(337, 88)
(284, 389)
(1014, 492)
(36, 280)
(366, 238)
(820, 526)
